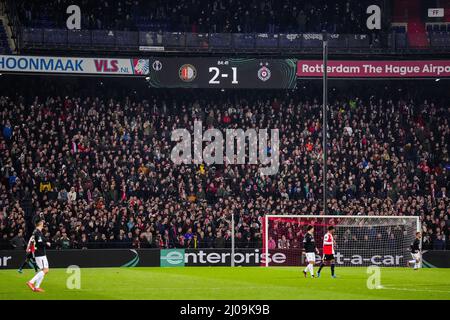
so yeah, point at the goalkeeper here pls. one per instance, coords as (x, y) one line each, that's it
(415, 252)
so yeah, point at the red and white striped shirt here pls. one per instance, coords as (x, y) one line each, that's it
(30, 247)
(328, 244)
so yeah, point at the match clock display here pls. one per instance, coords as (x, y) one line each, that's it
(222, 73)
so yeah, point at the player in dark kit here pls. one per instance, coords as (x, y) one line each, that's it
(415, 251)
(309, 245)
(40, 255)
(29, 259)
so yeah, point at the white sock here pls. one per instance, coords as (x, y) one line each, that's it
(306, 268)
(37, 276)
(311, 269)
(416, 265)
(412, 261)
(39, 281)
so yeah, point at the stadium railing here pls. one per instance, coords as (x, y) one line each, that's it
(129, 244)
(40, 38)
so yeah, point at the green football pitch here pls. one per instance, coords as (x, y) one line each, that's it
(229, 283)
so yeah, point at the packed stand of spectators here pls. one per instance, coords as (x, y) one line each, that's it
(204, 16)
(99, 169)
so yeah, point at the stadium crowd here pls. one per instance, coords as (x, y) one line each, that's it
(237, 16)
(99, 171)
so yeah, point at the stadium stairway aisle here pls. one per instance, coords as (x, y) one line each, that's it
(417, 37)
(4, 46)
(446, 5)
(416, 33)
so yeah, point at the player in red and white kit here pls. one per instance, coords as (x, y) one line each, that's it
(29, 259)
(328, 251)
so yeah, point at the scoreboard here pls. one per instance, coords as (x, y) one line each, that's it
(167, 72)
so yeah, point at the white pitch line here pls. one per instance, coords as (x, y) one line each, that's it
(410, 289)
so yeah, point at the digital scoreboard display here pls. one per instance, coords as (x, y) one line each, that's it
(222, 73)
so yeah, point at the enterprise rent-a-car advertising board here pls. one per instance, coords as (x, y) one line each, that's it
(96, 258)
(276, 257)
(217, 257)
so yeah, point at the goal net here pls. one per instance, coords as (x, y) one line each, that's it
(360, 240)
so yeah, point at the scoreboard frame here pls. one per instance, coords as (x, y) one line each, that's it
(222, 73)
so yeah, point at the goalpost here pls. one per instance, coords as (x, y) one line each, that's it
(360, 240)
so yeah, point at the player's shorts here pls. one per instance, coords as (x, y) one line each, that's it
(416, 256)
(42, 262)
(328, 257)
(310, 257)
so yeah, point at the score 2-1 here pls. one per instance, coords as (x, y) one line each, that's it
(216, 75)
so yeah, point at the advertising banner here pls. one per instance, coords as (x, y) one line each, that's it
(347, 258)
(436, 259)
(374, 69)
(97, 258)
(217, 257)
(74, 65)
(90, 258)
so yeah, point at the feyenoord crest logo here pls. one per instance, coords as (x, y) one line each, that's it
(187, 72)
(264, 72)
